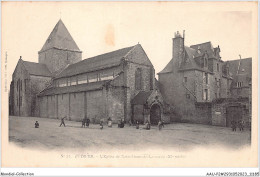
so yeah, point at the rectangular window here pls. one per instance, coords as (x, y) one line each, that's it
(138, 79)
(205, 78)
(25, 85)
(239, 84)
(62, 82)
(205, 62)
(21, 101)
(74, 95)
(217, 67)
(92, 78)
(151, 78)
(106, 75)
(21, 85)
(17, 86)
(205, 94)
(17, 101)
(82, 79)
(185, 79)
(73, 81)
(68, 81)
(62, 96)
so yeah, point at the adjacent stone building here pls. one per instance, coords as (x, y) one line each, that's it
(238, 105)
(197, 79)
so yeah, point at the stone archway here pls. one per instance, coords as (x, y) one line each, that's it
(155, 114)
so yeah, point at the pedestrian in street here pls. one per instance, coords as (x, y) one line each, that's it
(36, 125)
(83, 122)
(62, 121)
(241, 125)
(121, 124)
(160, 125)
(147, 125)
(87, 122)
(137, 125)
(233, 126)
(101, 124)
(109, 122)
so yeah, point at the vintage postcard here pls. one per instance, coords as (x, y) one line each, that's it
(129, 84)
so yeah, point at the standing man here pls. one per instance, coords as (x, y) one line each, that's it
(137, 125)
(62, 121)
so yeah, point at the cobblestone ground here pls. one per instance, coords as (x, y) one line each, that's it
(177, 135)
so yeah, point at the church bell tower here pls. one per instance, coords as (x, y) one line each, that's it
(59, 49)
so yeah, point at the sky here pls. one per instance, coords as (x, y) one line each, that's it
(100, 27)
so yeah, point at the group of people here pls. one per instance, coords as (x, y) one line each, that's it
(121, 123)
(239, 124)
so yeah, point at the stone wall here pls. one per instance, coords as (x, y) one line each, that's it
(57, 59)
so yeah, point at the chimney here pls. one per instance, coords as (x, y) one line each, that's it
(178, 49)
(20, 58)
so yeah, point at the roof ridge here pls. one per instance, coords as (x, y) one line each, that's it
(200, 43)
(108, 52)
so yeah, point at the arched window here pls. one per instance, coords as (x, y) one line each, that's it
(138, 79)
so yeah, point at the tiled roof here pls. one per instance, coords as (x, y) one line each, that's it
(141, 97)
(60, 38)
(37, 69)
(72, 89)
(95, 63)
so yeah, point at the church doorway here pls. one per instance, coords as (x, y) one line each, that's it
(155, 114)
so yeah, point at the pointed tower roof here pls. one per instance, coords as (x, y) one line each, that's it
(60, 38)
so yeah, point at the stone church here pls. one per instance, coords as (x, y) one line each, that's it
(120, 84)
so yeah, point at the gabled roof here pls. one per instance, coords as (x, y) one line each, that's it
(37, 69)
(72, 89)
(141, 97)
(60, 38)
(96, 63)
(244, 68)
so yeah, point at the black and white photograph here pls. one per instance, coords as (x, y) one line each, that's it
(129, 84)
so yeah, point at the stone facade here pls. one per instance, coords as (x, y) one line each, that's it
(196, 77)
(24, 87)
(57, 59)
(107, 91)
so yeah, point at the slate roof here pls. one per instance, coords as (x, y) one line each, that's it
(168, 68)
(60, 38)
(245, 66)
(96, 63)
(141, 97)
(37, 69)
(73, 89)
(205, 47)
(190, 61)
